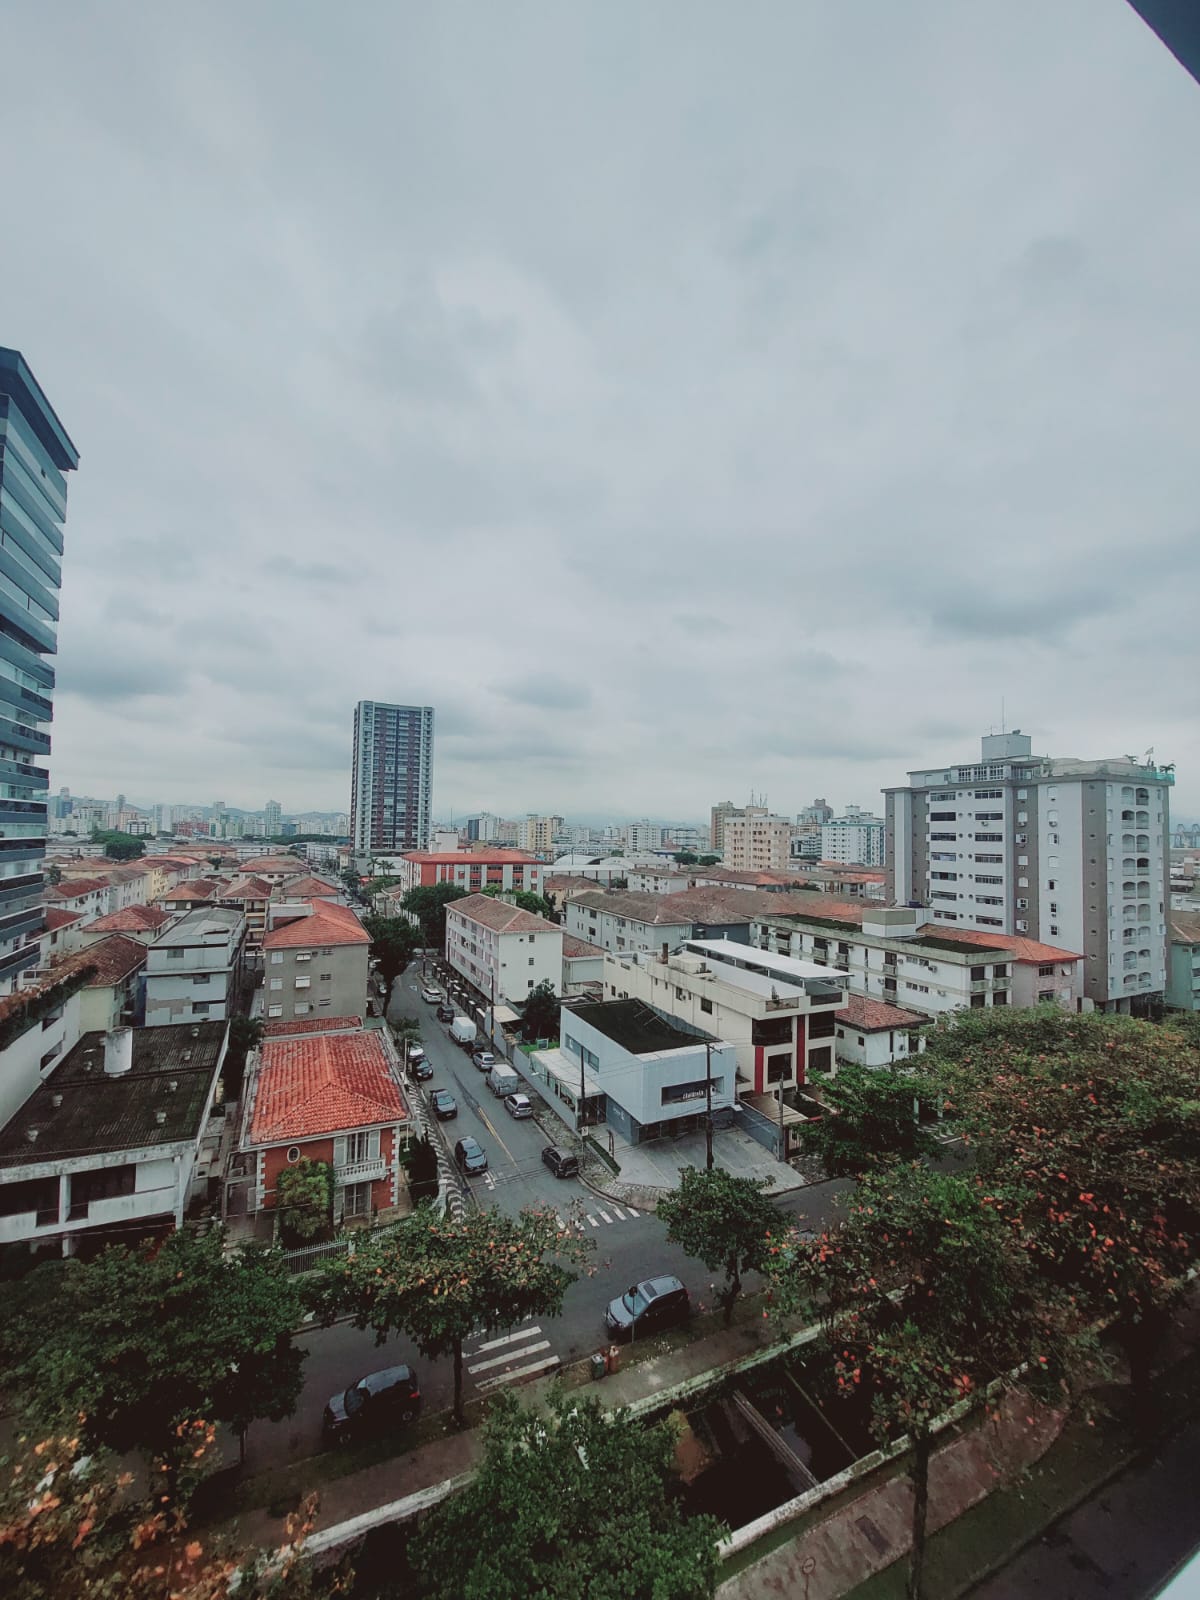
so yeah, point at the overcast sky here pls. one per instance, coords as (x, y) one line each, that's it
(682, 398)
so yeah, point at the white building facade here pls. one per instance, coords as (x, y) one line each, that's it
(504, 953)
(856, 839)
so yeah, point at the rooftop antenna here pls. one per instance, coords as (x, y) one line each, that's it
(1003, 723)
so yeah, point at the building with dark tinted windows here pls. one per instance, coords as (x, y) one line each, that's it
(392, 777)
(35, 456)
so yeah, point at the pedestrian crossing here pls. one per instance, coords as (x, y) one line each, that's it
(510, 1358)
(601, 1216)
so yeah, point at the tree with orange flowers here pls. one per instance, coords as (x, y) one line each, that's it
(1097, 1119)
(440, 1281)
(927, 1298)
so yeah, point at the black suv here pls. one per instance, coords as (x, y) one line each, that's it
(379, 1400)
(561, 1162)
(445, 1013)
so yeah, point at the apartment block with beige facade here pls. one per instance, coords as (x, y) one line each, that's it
(756, 841)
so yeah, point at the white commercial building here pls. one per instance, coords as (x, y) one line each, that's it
(502, 951)
(1064, 851)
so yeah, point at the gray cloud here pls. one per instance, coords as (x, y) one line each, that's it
(754, 419)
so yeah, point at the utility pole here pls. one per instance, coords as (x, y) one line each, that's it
(708, 1097)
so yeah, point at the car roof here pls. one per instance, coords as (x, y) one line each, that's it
(518, 1097)
(469, 1142)
(442, 1094)
(557, 1149)
(385, 1378)
(653, 1287)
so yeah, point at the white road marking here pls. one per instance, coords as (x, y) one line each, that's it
(562, 1225)
(606, 1216)
(620, 1214)
(593, 1222)
(507, 1338)
(498, 1361)
(534, 1367)
(632, 1212)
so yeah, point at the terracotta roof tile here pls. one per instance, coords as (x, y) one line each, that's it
(1020, 948)
(131, 919)
(1185, 927)
(55, 918)
(195, 889)
(327, 924)
(307, 887)
(498, 915)
(248, 888)
(321, 1084)
(72, 889)
(283, 862)
(578, 949)
(872, 1016)
(301, 1025)
(114, 958)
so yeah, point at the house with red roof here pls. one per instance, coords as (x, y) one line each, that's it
(315, 962)
(63, 933)
(144, 923)
(875, 1034)
(472, 870)
(327, 1090)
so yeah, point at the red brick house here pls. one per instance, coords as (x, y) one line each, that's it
(326, 1089)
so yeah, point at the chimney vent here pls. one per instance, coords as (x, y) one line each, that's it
(172, 1085)
(160, 1117)
(31, 1134)
(118, 1052)
(56, 1101)
(195, 1033)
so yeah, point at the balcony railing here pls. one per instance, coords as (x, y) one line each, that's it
(360, 1171)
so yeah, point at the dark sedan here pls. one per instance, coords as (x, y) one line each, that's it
(444, 1104)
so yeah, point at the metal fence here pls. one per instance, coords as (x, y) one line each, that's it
(312, 1255)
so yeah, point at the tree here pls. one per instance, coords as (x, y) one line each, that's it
(722, 1220)
(304, 1200)
(871, 1119)
(537, 905)
(119, 846)
(245, 1034)
(578, 1503)
(141, 1341)
(405, 1032)
(76, 1527)
(441, 1281)
(53, 875)
(927, 1297)
(423, 1169)
(1099, 1117)
(393, 941)
(540, 1013)
(709, 861)
(428, 905)
(686, 858)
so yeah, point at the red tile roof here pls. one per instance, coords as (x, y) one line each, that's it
(132, 919)
(578, 949)
(248, 888)
(478, 858)
(71, 889)
(1020, 948)
(327, 924)
(498, 915)
(114, 959)
(283, 862)
(323, 1084)
(283, 1030)
(872, 1016)
(197, 889)
(307, 888)
(56, 919)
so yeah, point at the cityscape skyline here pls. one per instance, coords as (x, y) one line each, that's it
(499, 461)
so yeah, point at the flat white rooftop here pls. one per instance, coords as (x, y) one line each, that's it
(765, 963)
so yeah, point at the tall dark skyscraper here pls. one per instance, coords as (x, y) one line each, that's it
(392, 777)
(35, 454)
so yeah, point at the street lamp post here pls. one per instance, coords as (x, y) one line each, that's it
(708, 1153)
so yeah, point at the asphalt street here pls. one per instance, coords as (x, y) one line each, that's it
(629, 1245)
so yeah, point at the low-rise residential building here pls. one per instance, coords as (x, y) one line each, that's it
(621, 920)
(108, 1146)
(143, 923)
(112, 995)
(308, 887)
(875, 1034)
(250, 895)
(503, 952)
(473, 870)
(62, 934)
(315, 962)
(194, 968)
(194, 892)
(636, 1071)
(1183, 969)
(38, 1025)
(276, 867)
(658, 880)
(85, 897)
(325, 1089)
(583, 967)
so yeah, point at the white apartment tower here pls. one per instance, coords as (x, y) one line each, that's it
(1072, 853)
(392, 777)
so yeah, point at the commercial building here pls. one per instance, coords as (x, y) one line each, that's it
(391, 777)
(1064, 851)
(315, 962)
(194, 967)
(503, 952)
(473, 870)
(326, 1090)
(756, 841)
(112, 1143)
(35, 456)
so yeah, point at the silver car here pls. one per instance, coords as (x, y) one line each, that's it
(518, 1105)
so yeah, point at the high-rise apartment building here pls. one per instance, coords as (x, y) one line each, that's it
(855, 839)
(392, 776)
(1072, 853)
(756, 841)
(721, 812)
(272, 819)
(35, 455)
(537, 834)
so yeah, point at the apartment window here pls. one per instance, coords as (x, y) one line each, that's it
(1000, 998)
(705, 1003)
(303, 983)
(326, 977)
(1054, 928)
(531, 960)
(1051, 884)
(304, 955)
(276, 958)
(301, 1011)
(992, 922)
(200, 977)
(1053, 909)
(1045, 972)
(53, 1051)
(175, 955)
(274, 1011)
(324, 1002)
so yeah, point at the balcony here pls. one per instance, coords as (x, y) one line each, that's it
(360, 1171)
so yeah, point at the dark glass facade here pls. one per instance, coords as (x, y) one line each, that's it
(35, 456)
(392, 777)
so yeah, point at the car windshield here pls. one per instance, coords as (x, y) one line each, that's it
(354, 1399)
(635, 1301)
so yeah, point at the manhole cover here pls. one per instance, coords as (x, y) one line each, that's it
(877, 1540)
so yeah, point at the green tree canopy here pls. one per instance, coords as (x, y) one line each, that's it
(245, 1034)
(119, 846)
(393, 941)
(304, 1200)
(140, 1341)
(928, 1296)
(540, 1013)
(871, 1119)
(440, 1281)
(537, 905)
(578, 1504)
(428, 905)
(709, 861)
(723, 1220)
(1099, 1117)
(686, 858)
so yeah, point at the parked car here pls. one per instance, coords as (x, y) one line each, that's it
(431, 996)
(378, 1401)
(561, 1162)
(518, 1105)
(445, 1013)
(415, 1053)
(444, 1104)
(421, 1069)
(485, 1060)
(647, 1307)
(470, 1155)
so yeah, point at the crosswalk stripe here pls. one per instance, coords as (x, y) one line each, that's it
(606, 1216)
(508, 1355)
(562, 1225)
(507, 1338)
(534, 1367)
(632, 1212)
(620, 1213)
(593, 1221)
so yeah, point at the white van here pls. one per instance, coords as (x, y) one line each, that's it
(462, 1031)
(503, 1080)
